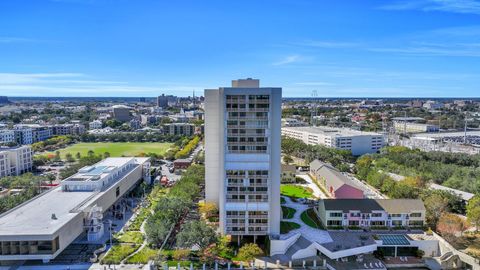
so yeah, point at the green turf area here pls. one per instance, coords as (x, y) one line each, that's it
(296, 191)
(310, 218)
(287, 226)
(288, 212)
(116, 149)
(143, 256)
(119, 252)
(130, 237)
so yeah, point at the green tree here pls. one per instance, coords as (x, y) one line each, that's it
(78, 155)
(69, 157)
(90, 153)
(249, 251)
(287, 159)
(196, 233)
(473, 211)
(106, 155)
(435, 205)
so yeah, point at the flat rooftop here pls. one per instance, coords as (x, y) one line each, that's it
(34, 217)
(330, 131)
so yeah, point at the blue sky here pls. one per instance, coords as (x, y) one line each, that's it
(348, 48)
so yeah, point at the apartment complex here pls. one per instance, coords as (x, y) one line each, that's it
(242, 157)
(358, 142)
(43, 227)
(7, 136)
(183, 129)
(15, 160)
(367, 213)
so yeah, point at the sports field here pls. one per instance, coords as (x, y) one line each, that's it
(116, 149)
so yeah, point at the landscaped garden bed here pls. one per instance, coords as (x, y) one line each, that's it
(310, 218)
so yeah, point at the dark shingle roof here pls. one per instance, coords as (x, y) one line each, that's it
(368, 205)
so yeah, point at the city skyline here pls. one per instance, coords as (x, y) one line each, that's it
(101, 48)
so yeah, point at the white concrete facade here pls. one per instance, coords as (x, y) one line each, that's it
(41, 228)
(242, 157)
(358, 142)
(16, 160)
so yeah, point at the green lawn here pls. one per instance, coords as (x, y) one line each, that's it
(130, 237)
(310, 218)
(118, 252)
(286, 226)
(296, 191)
(116, 149)
(288, 212)
(143, 256)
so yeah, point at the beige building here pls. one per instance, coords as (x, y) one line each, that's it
(288, 173)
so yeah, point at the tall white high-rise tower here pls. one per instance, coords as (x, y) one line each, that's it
(242, 157)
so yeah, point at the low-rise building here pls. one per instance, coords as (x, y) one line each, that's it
(335, 183)
(184, 129)
(368, 213)
(7, 136)
(68, 129)
(413, 125)
(288, 173)
(15, 160)
(292, 122)
(95, 124)
(181, 164)
(43, 227)
(358, 142)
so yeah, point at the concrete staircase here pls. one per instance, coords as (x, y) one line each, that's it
(301, 243)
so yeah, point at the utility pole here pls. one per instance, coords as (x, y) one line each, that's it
(314, 113)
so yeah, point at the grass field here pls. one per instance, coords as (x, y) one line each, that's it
(296, 191)
(116, 149)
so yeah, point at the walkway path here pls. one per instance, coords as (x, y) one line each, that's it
(317, 235)
(317, 192)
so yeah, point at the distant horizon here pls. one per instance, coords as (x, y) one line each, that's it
(283, 97)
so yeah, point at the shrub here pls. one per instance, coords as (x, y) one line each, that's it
(249, 251)
(180, 254)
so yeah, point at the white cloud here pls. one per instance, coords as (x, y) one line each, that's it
(79, 84)
(327, 44)
(288, 60)
(314, 83)
(455, 6)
